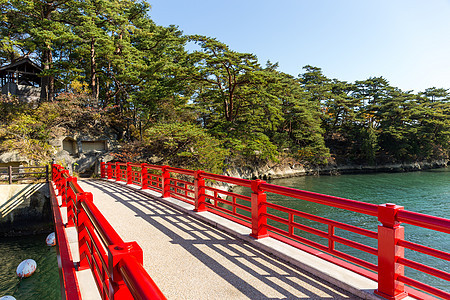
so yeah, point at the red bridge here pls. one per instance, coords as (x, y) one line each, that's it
(196, 240)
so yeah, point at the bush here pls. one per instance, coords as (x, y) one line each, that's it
(185, 145)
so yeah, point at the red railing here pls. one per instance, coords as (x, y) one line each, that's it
(116, 265)
(286, 224)
(69, 287)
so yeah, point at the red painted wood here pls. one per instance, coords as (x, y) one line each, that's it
(69, 283)
(425, 221)
(258, 210)
(165, 180)
(352, 205)
(129, 174)
(144, 176)
(389, 233)
(102, 169)
(199, 189)
(139, 283)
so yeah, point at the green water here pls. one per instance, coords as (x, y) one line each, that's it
(425, 192)
(44, 283)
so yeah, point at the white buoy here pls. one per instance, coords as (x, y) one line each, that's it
(7, 298)
(26, 268)
(51, 240)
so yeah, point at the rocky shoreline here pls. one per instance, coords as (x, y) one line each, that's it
(287, 170)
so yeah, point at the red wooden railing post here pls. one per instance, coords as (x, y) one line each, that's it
(109, 170)
(258, 208)
(102, 169)
(330, 238)
(129, 174)
(57, 178)
(56, 175)
(70, 202)
(144, 176)
(60, 182)
(63, 191)
(199, 189)
(117, 286)
(84, 241)
(53, 172)
(118, 175)
(165, 181)
(389, 233)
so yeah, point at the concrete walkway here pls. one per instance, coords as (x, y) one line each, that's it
(189, 259)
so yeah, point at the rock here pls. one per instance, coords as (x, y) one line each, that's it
(87, 162)
(7, 157)
(65, 159)
(107, 157)
(290, 169)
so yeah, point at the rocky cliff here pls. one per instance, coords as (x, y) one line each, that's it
(291, 169)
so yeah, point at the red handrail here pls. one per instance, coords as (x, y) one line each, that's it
(389, 215)
(337, 224)
(228, 179)
(141, 285)
(103, 228)
(100, 246)
(180, 171)
(135, 165)
(351, 205)
(425, 221)
(155, 167)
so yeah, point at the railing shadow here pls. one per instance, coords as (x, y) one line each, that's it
(20, 197)
(271, 279)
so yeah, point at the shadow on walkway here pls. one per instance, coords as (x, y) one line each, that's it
(254, 273)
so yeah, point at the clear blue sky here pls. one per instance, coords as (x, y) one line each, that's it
(407, 42)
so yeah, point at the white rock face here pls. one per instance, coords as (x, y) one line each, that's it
(7, 157)
(293, 170)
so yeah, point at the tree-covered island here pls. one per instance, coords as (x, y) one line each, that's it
(107, 68)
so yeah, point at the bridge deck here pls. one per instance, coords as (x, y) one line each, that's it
(189, 259)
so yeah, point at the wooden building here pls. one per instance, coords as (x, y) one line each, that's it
(21, 78)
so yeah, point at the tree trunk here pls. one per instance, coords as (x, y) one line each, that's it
(228, 106)
(119, 47)
(48, 82)
(94, 81)
(51, 86)
(98, 91)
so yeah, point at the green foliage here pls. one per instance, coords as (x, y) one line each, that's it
(185, 145)
(252, 148)
(27, 130)
(227, 80)
(24, 132)
(108, 65)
